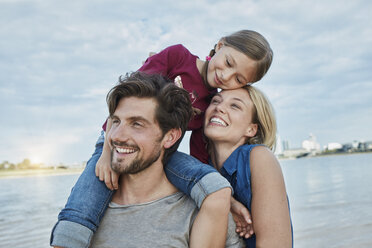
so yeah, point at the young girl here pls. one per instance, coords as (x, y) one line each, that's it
(239, 59)
(241, 128)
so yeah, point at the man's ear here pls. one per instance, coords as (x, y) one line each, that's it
(171, 137)
(251, 130)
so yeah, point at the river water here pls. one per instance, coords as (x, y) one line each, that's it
(330, 197)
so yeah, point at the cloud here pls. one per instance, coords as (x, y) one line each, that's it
(59, 59)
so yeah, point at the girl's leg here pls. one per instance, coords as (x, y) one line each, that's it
(210, 191)
(85, 206)
(194, 178)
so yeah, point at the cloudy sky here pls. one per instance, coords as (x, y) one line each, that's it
(58, 59)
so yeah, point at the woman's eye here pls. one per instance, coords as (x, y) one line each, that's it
(115, 121)
(235, 106)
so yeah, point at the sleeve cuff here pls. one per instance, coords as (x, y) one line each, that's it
(70, 235)
(207, 185)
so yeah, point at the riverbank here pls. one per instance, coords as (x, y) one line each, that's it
(38, 172)
(323, 154)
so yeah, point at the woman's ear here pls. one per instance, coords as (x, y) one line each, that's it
(171, 137)
(251, 130)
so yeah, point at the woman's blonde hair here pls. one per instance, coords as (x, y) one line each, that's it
(263, 115)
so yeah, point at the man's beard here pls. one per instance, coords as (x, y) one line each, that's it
(137, 165)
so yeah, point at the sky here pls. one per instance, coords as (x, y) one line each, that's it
(58, 60)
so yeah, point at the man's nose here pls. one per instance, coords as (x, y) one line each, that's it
(119, 133)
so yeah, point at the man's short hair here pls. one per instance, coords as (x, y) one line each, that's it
(173, 108)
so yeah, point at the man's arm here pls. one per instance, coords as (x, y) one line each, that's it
(210, 226)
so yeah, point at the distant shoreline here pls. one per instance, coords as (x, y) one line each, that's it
(68, 171)
(325, 155)
(38, 172)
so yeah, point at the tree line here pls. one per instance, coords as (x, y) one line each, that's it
(25, 164)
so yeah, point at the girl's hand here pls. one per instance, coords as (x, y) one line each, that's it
(242, 218)
(104, 172)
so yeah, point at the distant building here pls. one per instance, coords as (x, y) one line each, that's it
(311, 145)
(355, 144)
(369, 145)
(278, 146)
(364, 146)
(333, 146)
(295, 153)
(285, 145)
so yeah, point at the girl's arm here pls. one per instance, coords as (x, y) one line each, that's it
(270, 211)
(242, 219)
(103, 167)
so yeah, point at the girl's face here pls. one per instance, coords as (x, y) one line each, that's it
(229, 117)
(230, 69)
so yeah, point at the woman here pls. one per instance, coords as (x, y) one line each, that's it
(241, 129)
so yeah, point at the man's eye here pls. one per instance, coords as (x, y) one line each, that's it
(137, 124)
(115, 121)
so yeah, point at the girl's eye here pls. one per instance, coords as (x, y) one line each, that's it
(238, 80)
(228, 63)
(215, 100)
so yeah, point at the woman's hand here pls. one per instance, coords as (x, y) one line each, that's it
(104, 172)
(242, 218)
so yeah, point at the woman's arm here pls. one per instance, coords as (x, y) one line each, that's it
(270, 211)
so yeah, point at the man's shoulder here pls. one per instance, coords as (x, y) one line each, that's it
(170, 217)
(179, 197)
(184, 201)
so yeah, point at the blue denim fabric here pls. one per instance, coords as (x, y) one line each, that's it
(89, 197)
(194, 178)
(237, 171)
(87, 202)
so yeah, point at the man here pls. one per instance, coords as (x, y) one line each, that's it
(149, 118)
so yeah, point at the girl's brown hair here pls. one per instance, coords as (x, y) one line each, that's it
(252, 44)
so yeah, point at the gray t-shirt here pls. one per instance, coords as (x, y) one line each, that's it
(165, 222)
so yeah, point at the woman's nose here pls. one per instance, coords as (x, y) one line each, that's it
(220, 108)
